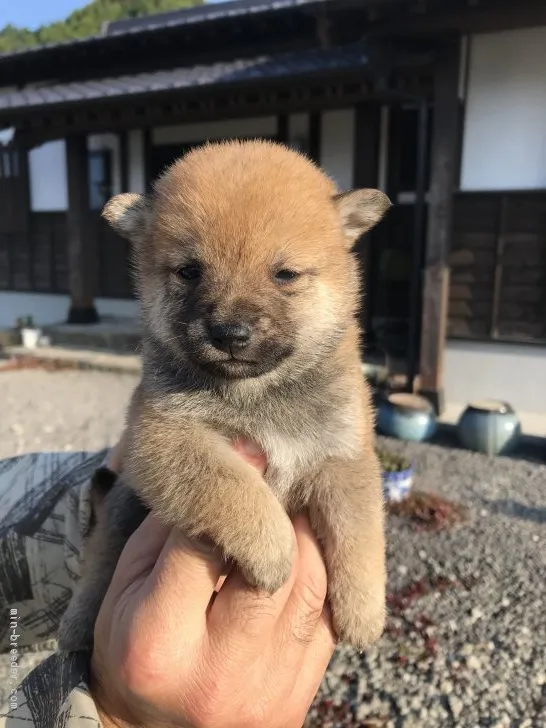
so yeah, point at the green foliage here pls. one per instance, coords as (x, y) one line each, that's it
(391, 462)
(86, 21)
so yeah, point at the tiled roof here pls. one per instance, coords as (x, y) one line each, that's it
(236, 71)
(206, 12)
(178, 18)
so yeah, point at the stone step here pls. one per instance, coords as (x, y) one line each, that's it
(71, 358)
(112, 335)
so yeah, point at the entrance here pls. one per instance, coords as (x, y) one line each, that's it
(163, 155)
(394, 278)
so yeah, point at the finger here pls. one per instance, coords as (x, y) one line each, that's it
(251, 452)
(183, 580)
(114, 461)
(141, 552)
(244, 618)
(304, 608)
(318, 654)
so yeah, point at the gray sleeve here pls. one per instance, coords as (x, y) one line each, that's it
(44, 514)
(54, 695)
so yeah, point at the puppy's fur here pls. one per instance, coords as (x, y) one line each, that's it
(249, 234)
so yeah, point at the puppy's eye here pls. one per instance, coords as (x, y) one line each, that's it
(191, 272)
(285, 275)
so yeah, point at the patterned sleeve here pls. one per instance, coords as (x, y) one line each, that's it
(44, 515)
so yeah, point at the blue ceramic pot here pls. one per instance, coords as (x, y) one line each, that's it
(397, 486)
(490, 427)
(406, 417)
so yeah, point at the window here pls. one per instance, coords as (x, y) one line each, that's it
(100, 178)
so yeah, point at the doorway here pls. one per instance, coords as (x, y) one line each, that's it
(398, 246)
(163, 155)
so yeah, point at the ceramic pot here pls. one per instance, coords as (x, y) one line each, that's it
(490, 427)
(397, 486)
(30, 338)
(406, 417)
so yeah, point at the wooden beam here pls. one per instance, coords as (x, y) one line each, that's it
(337, 92)
(444, 166)
(462, 18)
(82, 244)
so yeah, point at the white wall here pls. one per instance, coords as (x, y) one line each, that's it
(508, 372)
(47, 164)
(298, 130)
(47, 169)
(52, 308)
(337, 146)
(136, 181)
(504, 143)
(47, 173)
(6, 135)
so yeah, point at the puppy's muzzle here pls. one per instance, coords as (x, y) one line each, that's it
(230, 337)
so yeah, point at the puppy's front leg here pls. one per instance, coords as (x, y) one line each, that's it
(191, 478)
(346, 510)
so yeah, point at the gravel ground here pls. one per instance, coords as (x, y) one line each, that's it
(466, 640)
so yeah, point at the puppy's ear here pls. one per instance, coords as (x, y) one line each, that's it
(128, 214)
(360, 210)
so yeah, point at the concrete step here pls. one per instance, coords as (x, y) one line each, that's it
(112, 335)
(65, 357)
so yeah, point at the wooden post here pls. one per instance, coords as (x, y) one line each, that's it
(148, 174)
(315, 136)
(443, 176)
(283, 134)
(82, 243)
(123, 141)
(365, 173)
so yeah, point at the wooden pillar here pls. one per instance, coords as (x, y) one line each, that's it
(123, 140)
(315, 136)
(147, 143)
(82, 243)
(365, 173)
(443, 178)
(283, 134)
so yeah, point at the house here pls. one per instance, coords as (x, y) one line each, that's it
(441, 103)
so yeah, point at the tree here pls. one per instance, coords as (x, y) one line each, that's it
(87, 21)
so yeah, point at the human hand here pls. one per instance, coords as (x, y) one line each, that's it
(176, 645)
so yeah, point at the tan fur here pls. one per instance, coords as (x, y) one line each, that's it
(238, 213)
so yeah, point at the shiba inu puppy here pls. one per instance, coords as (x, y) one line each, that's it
(249, 290)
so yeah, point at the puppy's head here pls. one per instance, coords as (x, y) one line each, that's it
(243, 257)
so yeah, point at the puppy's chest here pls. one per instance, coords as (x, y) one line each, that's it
(296, 442)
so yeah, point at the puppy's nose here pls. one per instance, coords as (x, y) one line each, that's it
(228, 337)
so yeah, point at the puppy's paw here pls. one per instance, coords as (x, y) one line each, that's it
(358, 616)
(269, 564)
(77, 628)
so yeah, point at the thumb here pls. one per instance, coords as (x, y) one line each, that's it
(251, 452)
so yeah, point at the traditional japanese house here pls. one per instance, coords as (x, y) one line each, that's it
(441, 103)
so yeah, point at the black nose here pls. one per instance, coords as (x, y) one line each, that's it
(228, 337)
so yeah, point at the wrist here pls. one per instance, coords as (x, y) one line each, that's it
(115, 712)
(112, 713)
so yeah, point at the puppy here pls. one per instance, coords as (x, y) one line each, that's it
(249, 290)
